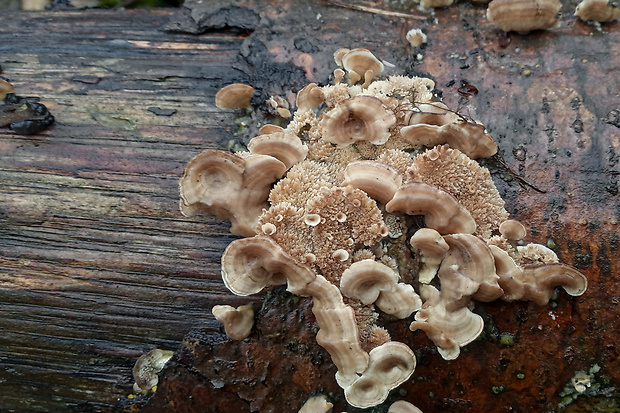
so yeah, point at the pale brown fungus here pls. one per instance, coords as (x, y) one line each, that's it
(433, 248)
(598, 10)
(234, 96)
(238, 322)
(366, 279)
(5, 88)
(524, 15)
(441, 210)
(310, 97)
(361, 118)
(378, 179)
(146, 369)
(402, 406)
(284, 146)
(469, 138)
(229, 186)
(512, 230)
(361, 63)
(390, 365)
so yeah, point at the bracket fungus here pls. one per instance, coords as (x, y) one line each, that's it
(469, 138)
(389, 366)
(366, 279)
(283, 146)
(402, 406)
(379, 180)
(310, 97)
(441, 210)
(433, 248)
(236, 95)
(317, 404)
(229, 186)
(238, 322)
(360, 118)
(331, 217)
(359, 64)
(598, 10)
(146, 369)
(524, 15)
(512, 230)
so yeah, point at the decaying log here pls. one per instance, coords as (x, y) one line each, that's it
(97, 265)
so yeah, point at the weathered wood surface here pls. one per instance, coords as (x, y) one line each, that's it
(96, 263)
(98, 266)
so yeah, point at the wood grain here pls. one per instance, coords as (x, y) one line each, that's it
(98, 266)
(96, 263)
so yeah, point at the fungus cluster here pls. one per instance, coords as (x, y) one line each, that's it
(528, 15)
(369, 202)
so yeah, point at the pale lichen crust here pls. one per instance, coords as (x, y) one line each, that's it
(370, 201)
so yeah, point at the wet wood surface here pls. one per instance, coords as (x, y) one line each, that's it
(98, 266)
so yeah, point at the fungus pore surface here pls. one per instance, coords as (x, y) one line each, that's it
(344, 206)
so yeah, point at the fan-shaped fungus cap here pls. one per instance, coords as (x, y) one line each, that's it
(541, 280)
(535, 282)
(441, 210)
(270, 128)
(512, 230)
(524, 15)
(365, 279)
(468, 138)
(238, 322)
(433, 248)
(463, 178)
(449, 330)
(361, 118)
(390, 365)
(403, 406)
(317, 404)
(597, 10)
(435, 113)
(359, 62)
(230, 187)
(468, 262)
(310, 97)
(283, 146)
(148, 366)
(401, 302)
(234, 96)
(339, 54)
(378, 179)
(5, 88)
(338, 333)
(510, 274)
(251, 264)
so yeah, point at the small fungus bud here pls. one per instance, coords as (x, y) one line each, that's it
(312, 219)
(416, 37)
(341, 217)
(268, 228)
(309, 258)
(338, 75)
(512, 230)
(341, 255)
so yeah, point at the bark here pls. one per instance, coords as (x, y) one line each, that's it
(97, 266)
